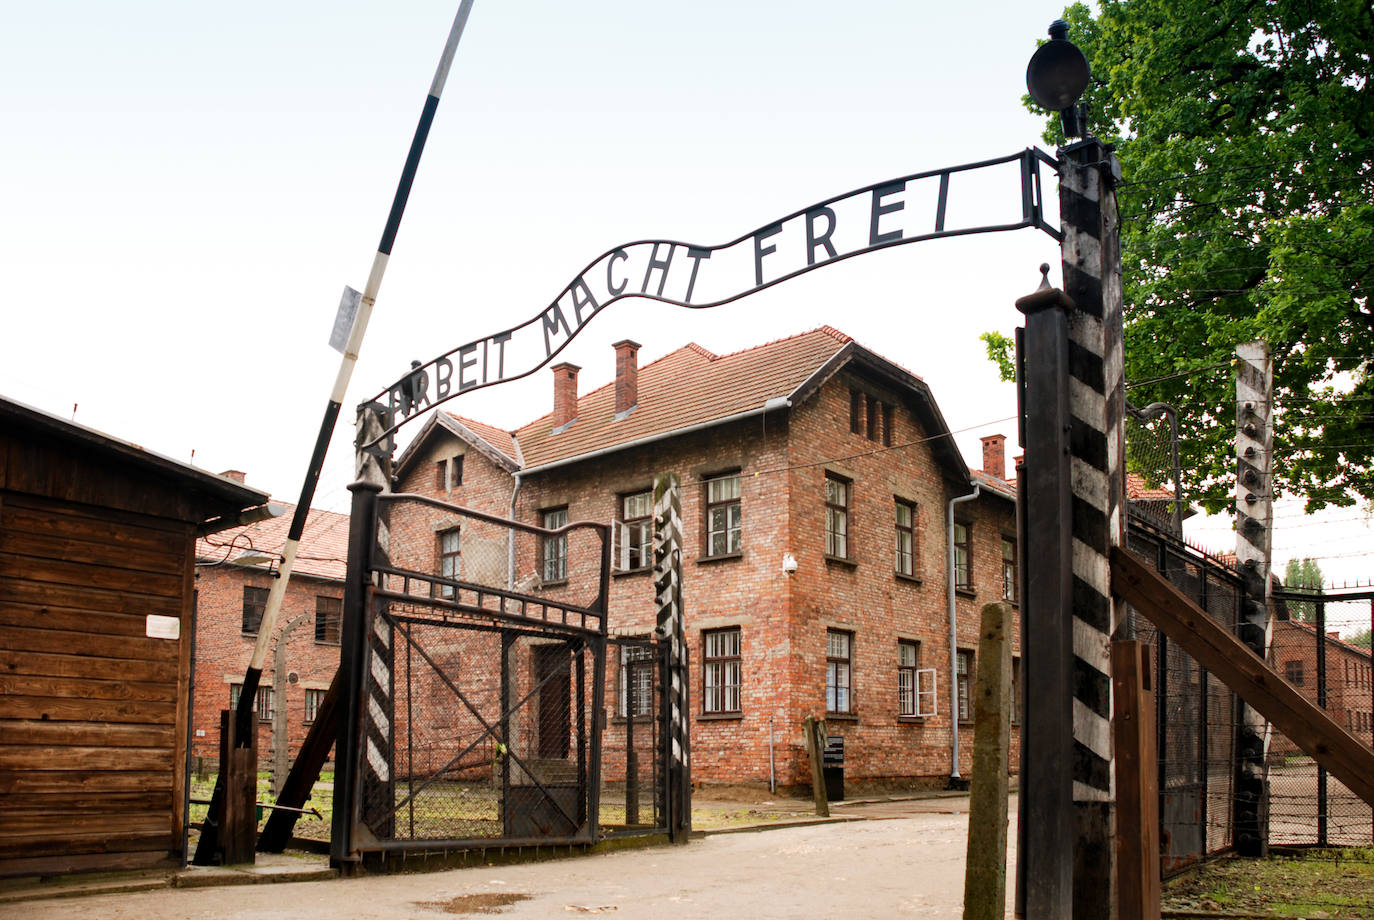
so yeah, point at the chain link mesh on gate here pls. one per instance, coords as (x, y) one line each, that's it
(633, 775)
(1195, 712)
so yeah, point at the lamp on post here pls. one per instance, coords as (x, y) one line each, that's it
(1056, 77)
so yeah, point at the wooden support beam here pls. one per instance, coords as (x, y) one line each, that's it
(1227, 658)
(304, 772)
(1137, 782)
(985, 869)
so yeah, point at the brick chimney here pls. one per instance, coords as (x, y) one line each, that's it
(995, 456)
(626, 376)
(236, 475)
(564, 395)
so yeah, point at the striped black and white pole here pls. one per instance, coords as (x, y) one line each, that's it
(1254, 535)
(668, 594)
(1092, 278)
(253, 675)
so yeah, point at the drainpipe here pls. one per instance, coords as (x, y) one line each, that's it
(510, 537)
(953, 638)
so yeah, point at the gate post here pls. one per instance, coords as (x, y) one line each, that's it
(668, 594)
(1044, 866)
(1254, 493)
(1097, 400)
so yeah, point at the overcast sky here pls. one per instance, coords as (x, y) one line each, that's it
(187, 189)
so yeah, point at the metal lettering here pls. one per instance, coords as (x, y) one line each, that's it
(696, 255)
(622, 255)
(760, 250)
(879, 209)
(443, 373)
(655, 262)
(586, 299)
(812, 240)
(464, 354)
(500, 340)
(553, 318)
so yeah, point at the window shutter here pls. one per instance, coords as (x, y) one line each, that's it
(925, 692)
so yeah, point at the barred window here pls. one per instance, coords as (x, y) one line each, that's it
(254, 604)
(263, 703)
(328, 616)
(908, 659)
(720, 691)
(636, 680)
(313, 700)
(964, 680)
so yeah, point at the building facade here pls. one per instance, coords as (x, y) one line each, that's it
(231, 594)
(817, 480)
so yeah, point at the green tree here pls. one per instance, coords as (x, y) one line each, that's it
(1360, 639)
(1303, 574)
(1246, 135)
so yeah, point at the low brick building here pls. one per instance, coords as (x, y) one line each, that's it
(231, 593)
(1349, 690)
(817, 482)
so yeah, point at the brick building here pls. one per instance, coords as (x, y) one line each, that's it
(231, 594)
(1349, 689)
(817, 484)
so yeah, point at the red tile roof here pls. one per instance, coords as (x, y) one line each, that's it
(687, 387)
(323, 550)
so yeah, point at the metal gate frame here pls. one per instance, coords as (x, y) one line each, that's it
(377, 597)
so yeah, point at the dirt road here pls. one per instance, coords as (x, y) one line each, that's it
(907, 861)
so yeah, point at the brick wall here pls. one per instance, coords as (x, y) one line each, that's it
(783, 460)
(222, 653)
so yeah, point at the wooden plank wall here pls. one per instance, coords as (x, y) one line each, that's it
(92, 720)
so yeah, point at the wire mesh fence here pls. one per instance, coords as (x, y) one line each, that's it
(1312, 648)
(1195, 712)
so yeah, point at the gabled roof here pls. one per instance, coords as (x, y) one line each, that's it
(323, 549)
(496, 444)
(693, 388)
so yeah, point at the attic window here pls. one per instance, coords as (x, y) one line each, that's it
(449, 473)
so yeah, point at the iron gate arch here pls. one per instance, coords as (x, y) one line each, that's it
(480, 701)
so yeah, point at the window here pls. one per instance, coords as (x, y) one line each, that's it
(313, 700)
(254, 603)
(448, 473)
(328, 615)
(836, 516)
(1016, 691)
(1292, 672)
(906, 538)
(856, 412)
(963, 558)
(908, 655)
(723, 515)
(264, 701)
(637, 678)
(720, 672)
(838, 661)
(635, 534)
(1009, 569)
(964, 680)
(874, 418)
(449, 559)
(915, 685)
(555, 547)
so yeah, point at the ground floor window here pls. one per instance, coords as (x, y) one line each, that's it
(720, 677)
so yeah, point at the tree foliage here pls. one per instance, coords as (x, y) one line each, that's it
(1300, 574)
(1245, 130)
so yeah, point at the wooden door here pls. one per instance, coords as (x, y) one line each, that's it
(555, 711)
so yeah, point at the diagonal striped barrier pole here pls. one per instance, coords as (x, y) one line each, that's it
(668, 595)
(206, 851)
(1092, 279)
(1254, 537)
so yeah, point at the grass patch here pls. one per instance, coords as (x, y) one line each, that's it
(1335, 884)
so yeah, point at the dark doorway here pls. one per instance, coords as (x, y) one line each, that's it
(553, 675)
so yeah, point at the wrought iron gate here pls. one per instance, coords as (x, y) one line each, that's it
(481, 693)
